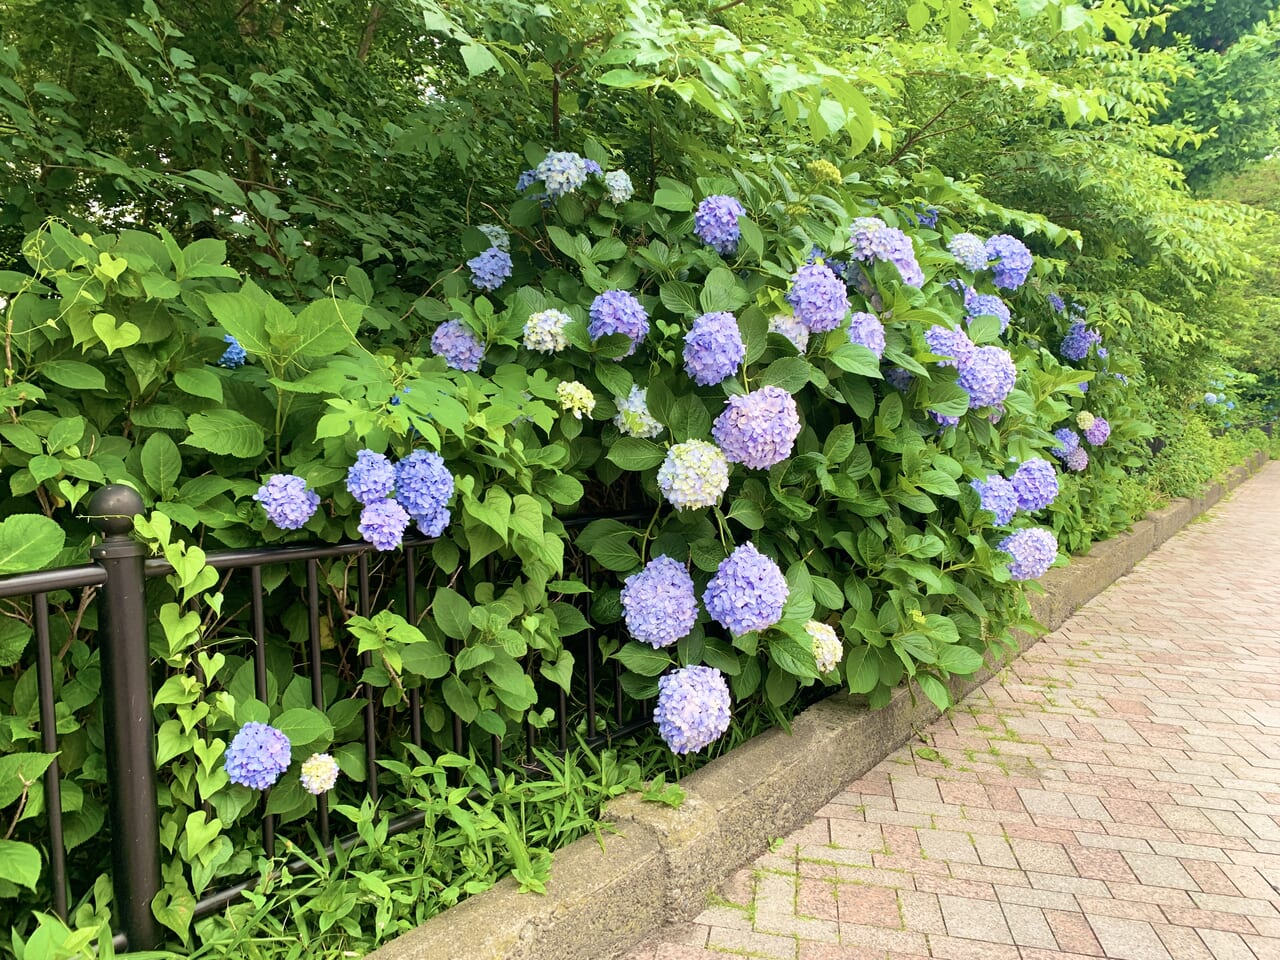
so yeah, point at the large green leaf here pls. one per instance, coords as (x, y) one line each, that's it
(225, 432)
(28, 541)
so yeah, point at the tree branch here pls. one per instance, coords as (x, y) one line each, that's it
(370, 28)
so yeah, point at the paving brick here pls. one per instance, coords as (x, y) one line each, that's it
(1073, 933)
(973, 919)
(1128, 939)
(868, 906)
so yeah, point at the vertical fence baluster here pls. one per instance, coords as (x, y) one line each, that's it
(370, 713)
(317, 684)
(259, 628)
(126, 714)
(592, 651)
(411, 602)
(49, 743)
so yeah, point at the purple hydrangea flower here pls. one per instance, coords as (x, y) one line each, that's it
(899, 378)
(318, 774)
(1012, 261)
(953, 345)
(747, 592)
(383, 524)
(562, 172)
(928, 217)
(873, 239)
(1067, 439)
(1056, 302)
(820, 298)
(944, 420)
(234, 356)
(791, 327)
(758, 429)
(998, 496)
(424, 487)
(1036, 483)
(969, 250)
(1079, 338)
(693, 708)
(490, 269)
(1077, 459)
(461, 349)
(257, 755)
(371, 477)
(1033, 550)
(715, 223)
(616, 311)
(658, 603)
(713, 348)
(288, 502)
(988, 377)
(866, 330)
(694, 474)
(526, 180)
(1083, 386)
(862, 236)
(1097, 432)
(985, 305)
(593, 168)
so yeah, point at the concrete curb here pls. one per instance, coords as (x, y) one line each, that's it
(605, 895)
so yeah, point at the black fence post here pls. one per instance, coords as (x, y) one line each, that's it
(127, 714)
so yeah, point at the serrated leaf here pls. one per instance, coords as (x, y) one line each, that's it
(161, 463)
(28, 542)
(199, 382)
(225, 432)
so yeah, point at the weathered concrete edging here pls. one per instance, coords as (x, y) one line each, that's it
(659, 864)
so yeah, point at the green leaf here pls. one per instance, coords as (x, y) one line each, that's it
(14, 637)
(44, 467)
(689, 419)
(861, 669)
(855, 358)
(672, 200)
(199, 382)
(958, 659)
(633, 453)
(305, 727)
(20, 863)
(115, 336)
(680, 298)
(624, 79)
(225, 432)
(73, 374)
(17, 771)
(28, 542)
(452, 613)
(722, 291)
(643, 659)
(935, 690)
(65, 433)
(789, 373)
(161, 463)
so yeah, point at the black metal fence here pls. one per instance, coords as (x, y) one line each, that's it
(116, 586)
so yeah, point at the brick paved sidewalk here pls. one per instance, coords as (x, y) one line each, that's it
(1114, 793)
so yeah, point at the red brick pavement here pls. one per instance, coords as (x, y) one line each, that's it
(1113, 793)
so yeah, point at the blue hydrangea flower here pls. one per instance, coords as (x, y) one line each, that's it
(234, 356)
(873, 239)
(1033, 550)
(618, 186)
(593, 168)
(715, 223)
(490, 269)
(318, 774)
(1067, 439)
(1012, 261)
(1077, 459)
(862, 236)
(1097, 432)
(562, 172)
(383, 524)
(1210, 399)
(693, 709)
(694, 474)
(758, 429)
(899, 378)
(954, 346)
(1083, 386)
(257, 755)
(616, 311)
(424, 487)
(969, 250)
(713, 348)
(633, 418)
(790, 326)
(288, 502)
(526, 180)
(820, 298)
(928, 217)
(747, 592)
(371, 478)
(658, 603)
(998, 496)
(866, 330)
(988, 377)
(1103, 353)
(1079, 338)
(1036, 484)
(827, 648)
(985, 305)
(944, 420)
(461, 349)
(544, 331)
(497, 236)
(1056, 302)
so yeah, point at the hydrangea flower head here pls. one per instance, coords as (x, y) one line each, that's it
(969, 250)
(985, 305)
(824, 171)
(1210, 399)
(526, 180)
(371, 478)
(866, 330)
(1084, 419)
(576, 398)
(1068, 440)
(713, 348)
(747, 592)
(1033, 550)
(873, 239)
(544, 331)
(383, 524)
(715, 223)
(694, 474)
(461, 349)
(1057, 304)
(997, 495)
(988, 377)
(790, 326)
(1077, 459)
(490, 269)
(616, 311)
(319, 773)
(944, 420)
(658, 603)
(633, 418)
(424, 487)
(497, 236)
(234, 356)
(899, 378)
(1079, 338)
(758, 429)
(561, 172)
(288, 502)
(618, 186)
(862, 234)
(1011, 261)
(693, 709)
(820, 298)
(1036, 484)
(1097, 432)
(827, 648)
(954, 346)
(927, 217)
(257, 755)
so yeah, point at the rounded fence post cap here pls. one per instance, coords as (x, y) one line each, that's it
(112, 509)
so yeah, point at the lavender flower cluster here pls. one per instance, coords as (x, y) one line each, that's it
(969, 250)
(1079, 338)
(234, 356)
(986, 373)
(873, 240)
(985, 305)
(1036, 484)
(715, 223)
(490, 269)
(259, 754)
(693, 708)
(865, 329)
(758, 429)
(1097, 432)
(819, 298)
(713, 348)
(422, 486)
(1033, 550)
(287, 501)
(461, 349)
(998, 496)
(791, 327)
(1010, 261)
(658, 603)
(1069, 450)
(616, 311)
(747, 592)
